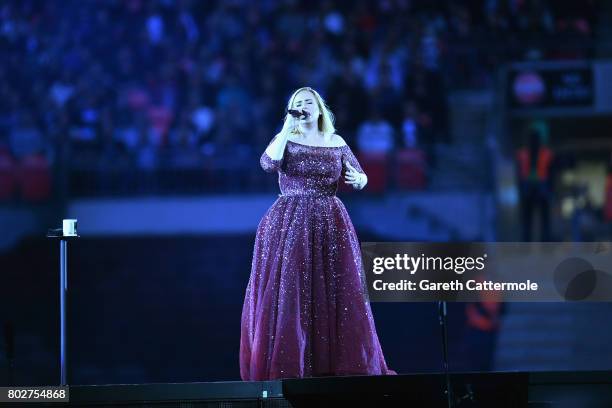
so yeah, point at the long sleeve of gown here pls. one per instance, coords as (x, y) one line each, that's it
(268, 164)
(348, 156)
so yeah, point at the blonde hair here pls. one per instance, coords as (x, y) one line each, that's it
(326, 118)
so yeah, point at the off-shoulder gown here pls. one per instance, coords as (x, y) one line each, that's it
(306, 312)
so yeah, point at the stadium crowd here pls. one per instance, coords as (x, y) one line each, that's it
(186, 83)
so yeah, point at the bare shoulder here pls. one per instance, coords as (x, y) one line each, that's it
(337, 140)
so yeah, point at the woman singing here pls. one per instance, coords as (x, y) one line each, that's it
(305, 313)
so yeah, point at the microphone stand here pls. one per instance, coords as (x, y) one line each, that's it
(442, 319)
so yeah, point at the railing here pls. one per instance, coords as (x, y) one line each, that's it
(402, 170)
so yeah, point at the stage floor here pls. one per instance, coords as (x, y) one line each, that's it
(495, 389)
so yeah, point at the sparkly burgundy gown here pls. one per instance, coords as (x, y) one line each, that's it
(305, 311)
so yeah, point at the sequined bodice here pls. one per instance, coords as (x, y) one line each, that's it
(310, 170)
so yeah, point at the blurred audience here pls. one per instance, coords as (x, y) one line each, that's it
(180, 82)
(375, 134)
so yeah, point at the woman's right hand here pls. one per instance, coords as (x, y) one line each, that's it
(276, 147)
(289, 125)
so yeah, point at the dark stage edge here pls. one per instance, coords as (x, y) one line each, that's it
(494, 389)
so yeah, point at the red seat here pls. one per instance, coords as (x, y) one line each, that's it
(8, 175)
(410, 169)
(35, 178)
(375, 166)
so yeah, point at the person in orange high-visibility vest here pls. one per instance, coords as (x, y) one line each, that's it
(534, 163)
(608, 208)
(482, 322)
(608, 198)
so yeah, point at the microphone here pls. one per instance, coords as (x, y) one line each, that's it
(297, 113)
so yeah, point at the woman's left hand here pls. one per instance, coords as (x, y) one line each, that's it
(353, 177)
